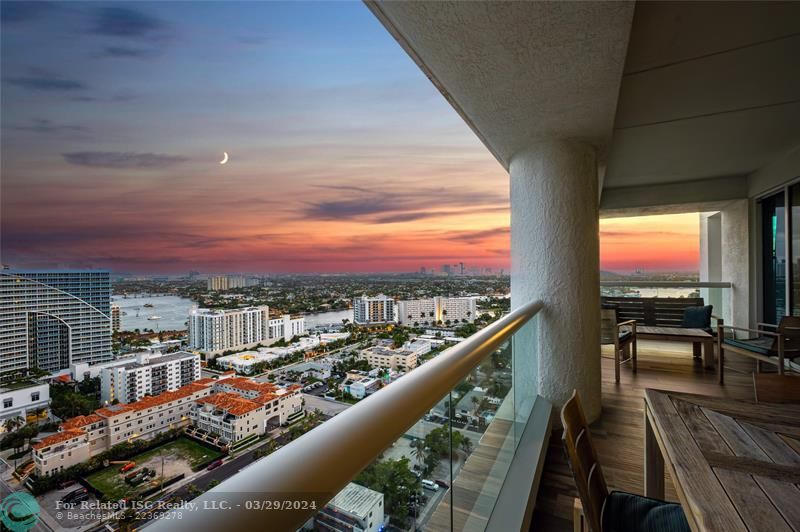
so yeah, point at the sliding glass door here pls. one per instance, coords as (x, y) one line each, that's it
(780, 254)
(774, 252)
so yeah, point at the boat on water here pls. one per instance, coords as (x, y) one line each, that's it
(154, 318)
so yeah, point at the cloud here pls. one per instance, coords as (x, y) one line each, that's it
(126, 22)
(16, 12)
(118, 160)
(47, 126)
(475, 237)
(41, 80)
(131, 53)
(384, 207)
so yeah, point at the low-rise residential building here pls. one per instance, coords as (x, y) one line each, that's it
(360, 386)
(229, 416)
(85, 436)
(283, 405)
(373, 310)
(385, 357)
(232, 408)
(246, 361)
(418, 345)
(148, 374)
(313, 368)
(355, 508)
(27, 400)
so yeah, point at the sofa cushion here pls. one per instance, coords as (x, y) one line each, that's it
(626, 512)
(761, 344)
(697, 317)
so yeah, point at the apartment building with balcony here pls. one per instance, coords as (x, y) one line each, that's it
(373, 310)
(216, 331)
(430, 311)
(51, 319)
(148, 374)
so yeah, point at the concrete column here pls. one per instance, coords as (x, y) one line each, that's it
(735, 262)
(711, 259)
(555, 258)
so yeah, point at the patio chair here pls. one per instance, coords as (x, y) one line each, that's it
(770, 388)
(778, 345)
(622, 335)
(599, 510)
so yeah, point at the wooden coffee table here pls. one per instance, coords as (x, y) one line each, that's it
(697, 337)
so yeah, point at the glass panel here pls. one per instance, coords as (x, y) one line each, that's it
(427, 478)
(794, 228)
(773, 241)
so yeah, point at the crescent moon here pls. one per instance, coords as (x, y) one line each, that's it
(224, 158)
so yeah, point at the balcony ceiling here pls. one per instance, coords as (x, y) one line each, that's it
(669, 92)
(519, 72)
(709, 90)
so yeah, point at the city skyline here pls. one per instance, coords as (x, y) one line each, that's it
(343, 156)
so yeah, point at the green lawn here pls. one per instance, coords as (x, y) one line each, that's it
(181, 455)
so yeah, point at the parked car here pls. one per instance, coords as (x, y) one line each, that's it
(72, 495)
(127, 467)
(66, 484)
(442, 483)
(215, 464)
(80, 498)
(429, 484)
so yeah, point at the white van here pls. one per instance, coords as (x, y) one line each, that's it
(431, 485)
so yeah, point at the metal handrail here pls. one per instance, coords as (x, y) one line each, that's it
(668, 284)
(315, 467)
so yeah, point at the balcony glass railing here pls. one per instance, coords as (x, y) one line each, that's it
(436, 447)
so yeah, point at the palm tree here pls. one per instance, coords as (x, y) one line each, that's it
(466, 445)
(13, 423)
(418, 451)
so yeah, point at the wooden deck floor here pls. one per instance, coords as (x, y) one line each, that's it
(619, 433)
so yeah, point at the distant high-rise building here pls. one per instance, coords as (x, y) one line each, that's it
(446, 268)
(430, 311)
(116, 317)
(226, 282)
(215, 331)
(51, 319)
(378, 309)
(422, 270)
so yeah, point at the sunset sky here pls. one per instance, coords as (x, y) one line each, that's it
(343, 156)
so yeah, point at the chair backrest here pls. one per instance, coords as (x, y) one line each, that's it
(652, 311)
(608, 325)
(583, 462)
(774, 388)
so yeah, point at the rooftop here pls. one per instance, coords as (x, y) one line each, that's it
(231, 403)
(58, 437)
(356, 500)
